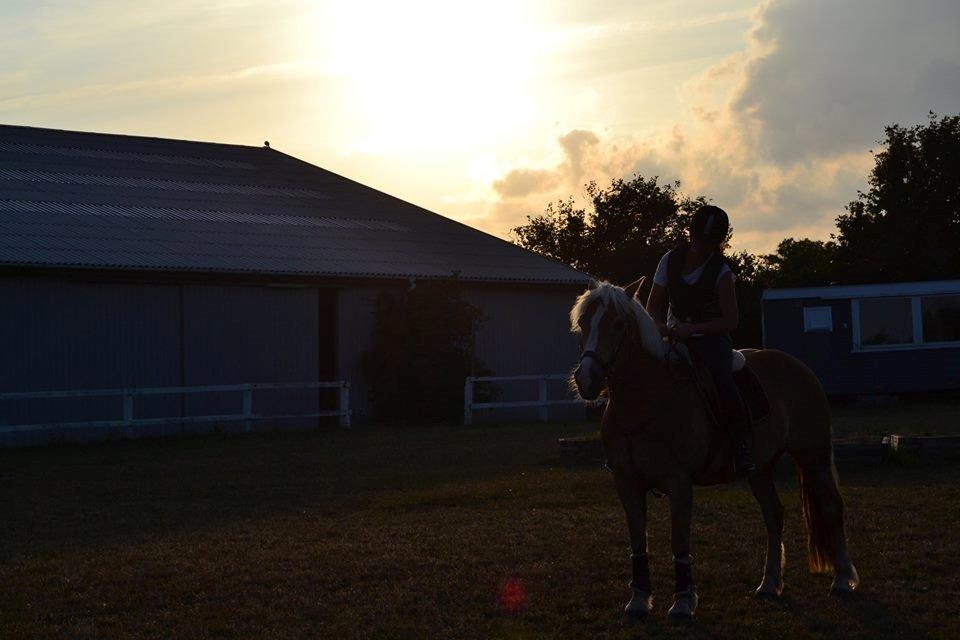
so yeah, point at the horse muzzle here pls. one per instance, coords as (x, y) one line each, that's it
(588, 376)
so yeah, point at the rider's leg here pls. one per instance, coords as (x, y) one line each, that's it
(738, 422)
(717, 353)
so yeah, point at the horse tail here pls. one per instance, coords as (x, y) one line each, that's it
(813, 498)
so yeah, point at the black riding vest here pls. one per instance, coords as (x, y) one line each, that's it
(697, 302)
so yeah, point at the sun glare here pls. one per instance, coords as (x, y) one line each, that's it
(429, 74)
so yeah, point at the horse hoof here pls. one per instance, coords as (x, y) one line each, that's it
(684, 606)
(845, 582)
(639, 606)
(769, 591)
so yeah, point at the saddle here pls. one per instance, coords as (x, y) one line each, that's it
(718, 466)
(684, 367)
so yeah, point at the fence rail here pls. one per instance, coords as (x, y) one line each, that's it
(129, 419)
(469, 406)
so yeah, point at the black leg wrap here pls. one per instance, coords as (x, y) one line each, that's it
(683, 573)
(641, 573)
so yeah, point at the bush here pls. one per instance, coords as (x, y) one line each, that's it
(423, 350)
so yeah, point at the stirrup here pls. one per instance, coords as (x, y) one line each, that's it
(743, 464)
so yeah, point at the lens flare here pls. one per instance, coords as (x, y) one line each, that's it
(512, 595)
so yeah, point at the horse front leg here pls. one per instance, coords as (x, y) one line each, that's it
(681, 511)
(633, 497)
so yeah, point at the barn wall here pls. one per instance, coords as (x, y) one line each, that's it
(237, 334)
(60, 335)
(845, 372)
(66, 334)
(526, 331)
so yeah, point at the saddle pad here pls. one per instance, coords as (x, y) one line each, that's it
(679, 353)
(753, 394)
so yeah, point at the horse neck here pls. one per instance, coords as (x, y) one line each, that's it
(638, 368)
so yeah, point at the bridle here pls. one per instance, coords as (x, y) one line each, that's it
(606, 368)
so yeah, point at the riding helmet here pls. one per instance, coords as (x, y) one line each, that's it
(710, 224)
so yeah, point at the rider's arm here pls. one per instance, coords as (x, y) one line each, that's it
(729, 313)
(657, 306)
(658, 300)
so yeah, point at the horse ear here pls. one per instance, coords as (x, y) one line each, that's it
(634, 287)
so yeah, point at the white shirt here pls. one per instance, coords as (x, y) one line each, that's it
(660, 277)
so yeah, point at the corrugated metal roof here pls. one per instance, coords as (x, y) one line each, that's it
(84, 200)
(121, 155)
(152, 183)
(884, 290)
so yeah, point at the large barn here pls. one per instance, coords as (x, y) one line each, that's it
(131, 262)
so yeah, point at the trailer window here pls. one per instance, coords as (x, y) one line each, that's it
(886, 321)
(817, 319)
(941, 318)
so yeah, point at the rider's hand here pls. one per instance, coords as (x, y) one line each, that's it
(683, 331)
(666, 331)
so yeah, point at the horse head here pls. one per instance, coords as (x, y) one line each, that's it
(606, 317)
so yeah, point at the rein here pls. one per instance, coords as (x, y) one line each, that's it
(605, 368)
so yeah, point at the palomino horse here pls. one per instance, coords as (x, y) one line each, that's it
(656, 434)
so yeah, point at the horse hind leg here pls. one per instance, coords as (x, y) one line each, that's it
(685, 597)
(823, 512)
(765, 491)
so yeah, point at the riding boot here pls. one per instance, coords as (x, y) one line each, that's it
(741, 432)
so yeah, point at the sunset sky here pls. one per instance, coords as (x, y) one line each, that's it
(487, 111)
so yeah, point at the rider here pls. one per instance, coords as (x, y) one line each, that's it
(697, 282)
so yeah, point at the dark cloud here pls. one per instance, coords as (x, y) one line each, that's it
(827, 76)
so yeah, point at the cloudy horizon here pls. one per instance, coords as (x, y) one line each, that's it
(487, 113)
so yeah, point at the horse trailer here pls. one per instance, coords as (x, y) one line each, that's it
(872, 339)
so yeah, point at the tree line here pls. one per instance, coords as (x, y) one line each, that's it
(905, 227)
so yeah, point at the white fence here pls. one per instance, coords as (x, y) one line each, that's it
(469, 406)
(129, 419)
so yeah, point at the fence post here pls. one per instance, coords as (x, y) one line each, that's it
(248, 408)
(468, 401)
(345, 405)
(127, 408)
(542, 397)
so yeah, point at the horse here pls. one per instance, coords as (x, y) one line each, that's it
(656, 433)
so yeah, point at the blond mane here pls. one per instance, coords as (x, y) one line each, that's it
(628, 308)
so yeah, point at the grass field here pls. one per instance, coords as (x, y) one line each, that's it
(909, 418)
(413, 533)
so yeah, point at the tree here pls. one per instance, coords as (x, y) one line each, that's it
(907, 225)
(801, 263)
(753, 276)
(423, 350)
(621, 236)
(625, 232)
